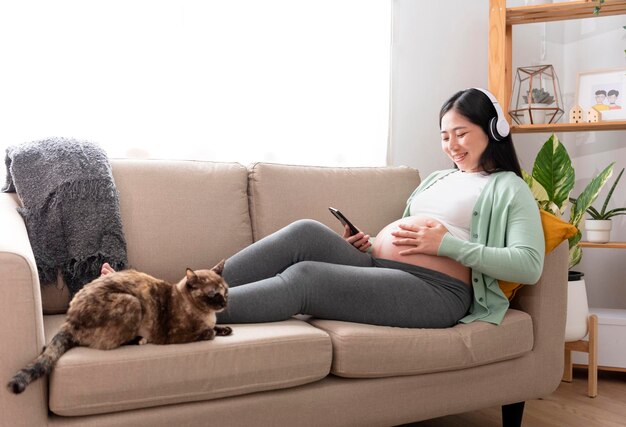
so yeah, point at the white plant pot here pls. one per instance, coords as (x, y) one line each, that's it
(577, 310)
(598, 231)
(539, 116)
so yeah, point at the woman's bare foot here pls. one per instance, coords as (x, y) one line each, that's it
(106, 269)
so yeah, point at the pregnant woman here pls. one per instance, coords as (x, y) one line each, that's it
(462, 229)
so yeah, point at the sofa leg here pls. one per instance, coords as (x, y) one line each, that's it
(512, 414)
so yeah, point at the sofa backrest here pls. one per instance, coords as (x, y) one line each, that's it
(179, 214)
(370, 197)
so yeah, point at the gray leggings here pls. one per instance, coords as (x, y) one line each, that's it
(307, 268)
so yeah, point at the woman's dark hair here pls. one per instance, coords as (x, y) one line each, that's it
(478, 108)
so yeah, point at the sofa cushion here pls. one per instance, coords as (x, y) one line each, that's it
(179, 214)
(370, 197)
(175, 214)
(365, 351)
(555, 231)
(254, 358)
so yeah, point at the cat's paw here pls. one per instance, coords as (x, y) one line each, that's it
(223, 331)
(208, 335)
(143, 341)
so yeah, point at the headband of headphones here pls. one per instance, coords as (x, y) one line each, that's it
(498, 126)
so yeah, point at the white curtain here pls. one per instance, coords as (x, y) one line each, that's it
(288, 81)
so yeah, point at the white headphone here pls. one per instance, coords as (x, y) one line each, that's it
(498, 126)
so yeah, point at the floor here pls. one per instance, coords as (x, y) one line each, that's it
(568, 406)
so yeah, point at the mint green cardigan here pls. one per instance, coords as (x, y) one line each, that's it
(506, 242)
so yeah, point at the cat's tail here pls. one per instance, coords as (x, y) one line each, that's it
(42, 365)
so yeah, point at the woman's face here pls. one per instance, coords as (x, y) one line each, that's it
(463, 141)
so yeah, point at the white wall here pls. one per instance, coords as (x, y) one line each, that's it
(441, 47)
(438, 48)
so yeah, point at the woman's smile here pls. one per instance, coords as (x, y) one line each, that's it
(463, 141)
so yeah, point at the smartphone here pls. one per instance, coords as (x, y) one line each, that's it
(344, 220)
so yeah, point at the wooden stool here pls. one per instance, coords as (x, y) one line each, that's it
(590, 347)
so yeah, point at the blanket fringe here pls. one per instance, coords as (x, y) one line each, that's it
(78, 272)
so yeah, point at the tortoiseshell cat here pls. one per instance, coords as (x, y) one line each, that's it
(126, 306)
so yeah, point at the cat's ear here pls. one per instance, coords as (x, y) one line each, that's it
(191, 278)
(219, 268)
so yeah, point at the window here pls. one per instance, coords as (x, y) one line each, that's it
(304, 82)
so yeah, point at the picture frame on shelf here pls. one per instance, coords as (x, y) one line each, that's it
(603, 90)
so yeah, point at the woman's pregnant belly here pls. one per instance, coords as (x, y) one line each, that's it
(384, 248)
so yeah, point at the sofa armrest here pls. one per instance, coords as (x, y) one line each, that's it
(546, 302)
(21, 319)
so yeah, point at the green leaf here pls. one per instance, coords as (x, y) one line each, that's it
(593, 213)
(589, 194)
(537, 189)
(608, 197)
(614, 212)
(554, 172)
(573, 241)
(575, 255)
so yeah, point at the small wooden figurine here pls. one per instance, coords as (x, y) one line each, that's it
(576, 114)
(593, 116)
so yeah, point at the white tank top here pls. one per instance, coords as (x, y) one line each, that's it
(451, 201)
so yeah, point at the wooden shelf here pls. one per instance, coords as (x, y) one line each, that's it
(570, 127)
(500, 77)
(609, 245)
(562, 11)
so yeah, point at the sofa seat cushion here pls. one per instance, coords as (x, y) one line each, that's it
(255, 357)
(365, 351)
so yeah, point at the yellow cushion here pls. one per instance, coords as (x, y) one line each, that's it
(555, 230)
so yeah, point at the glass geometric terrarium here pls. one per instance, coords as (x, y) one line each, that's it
(536, 97)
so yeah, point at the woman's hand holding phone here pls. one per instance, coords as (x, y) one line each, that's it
(351, 234)
(361, 241)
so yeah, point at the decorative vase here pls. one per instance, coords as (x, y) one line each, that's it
(536, 92)
(539, 116)
(598, 231)
(577, 307)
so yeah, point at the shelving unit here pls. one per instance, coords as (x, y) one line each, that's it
(609, 245)
(569, 127)
(500, 80)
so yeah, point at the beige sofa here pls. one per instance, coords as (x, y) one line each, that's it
(300, 372)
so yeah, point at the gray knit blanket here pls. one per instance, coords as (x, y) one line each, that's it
(70, 206)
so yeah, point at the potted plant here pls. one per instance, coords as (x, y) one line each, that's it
(534, 105)
(598, 227)
(551, 182)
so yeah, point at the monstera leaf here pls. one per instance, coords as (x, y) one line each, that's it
(554, 172)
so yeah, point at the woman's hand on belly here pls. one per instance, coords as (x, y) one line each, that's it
(419, 239)
(399, 241)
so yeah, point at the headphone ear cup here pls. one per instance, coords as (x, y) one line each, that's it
(498, 126)
(493, 129)
(502, 127)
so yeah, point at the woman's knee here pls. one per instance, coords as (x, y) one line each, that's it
(307, 228)
(303, 272)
